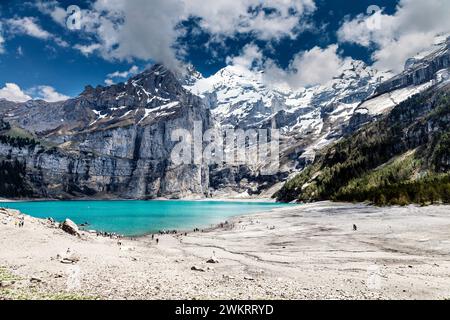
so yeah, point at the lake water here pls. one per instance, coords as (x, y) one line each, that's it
(134, 218)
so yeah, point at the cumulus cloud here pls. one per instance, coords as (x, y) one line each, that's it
(127, 30)
(47, 93)
(12, 92)
(309, 68)
(250, 57)
(267, 20)
(411, 29)
(121, 75)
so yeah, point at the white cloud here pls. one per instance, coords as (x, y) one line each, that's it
(109, 82)
(224, 17)
(51, 8)
(2, 41)
(124, 74)
(127, 30)
(121, 75)
(411, 29)
(12, 92)
(28, 26)
(87, 50)
(250, 57)
(309, 68)
(48, 93)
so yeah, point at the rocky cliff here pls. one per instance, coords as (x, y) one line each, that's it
(401, 158)
(108, 142)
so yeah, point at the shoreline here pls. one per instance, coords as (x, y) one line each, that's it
(305, 252)
(237, 200)
(208, 227)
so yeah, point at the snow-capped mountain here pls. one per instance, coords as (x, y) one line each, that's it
(116, 140)
(425, 70)
(241, 98)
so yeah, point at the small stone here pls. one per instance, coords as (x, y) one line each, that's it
(212, 260)
(5, 284)
(195, 268)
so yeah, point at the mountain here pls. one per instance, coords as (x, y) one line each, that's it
(115, 141)
(308, 118)
(401, 155)
(108, 142)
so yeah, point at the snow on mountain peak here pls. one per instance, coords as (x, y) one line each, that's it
(239, 97)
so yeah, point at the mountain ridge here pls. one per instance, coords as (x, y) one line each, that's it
(116, 139)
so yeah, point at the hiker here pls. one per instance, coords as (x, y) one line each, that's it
(157, 241)
(355, 228)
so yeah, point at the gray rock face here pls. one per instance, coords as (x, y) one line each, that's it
(116, 145)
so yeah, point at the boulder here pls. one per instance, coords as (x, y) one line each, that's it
(212, 260)
(70, 227)
(195, 268)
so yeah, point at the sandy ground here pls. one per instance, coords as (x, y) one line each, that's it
(308, 252)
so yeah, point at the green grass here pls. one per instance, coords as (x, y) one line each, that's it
(16, 132)
(11, 293)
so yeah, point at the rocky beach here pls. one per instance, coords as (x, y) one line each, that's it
(315, 251)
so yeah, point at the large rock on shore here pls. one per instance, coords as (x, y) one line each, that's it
(70, 227)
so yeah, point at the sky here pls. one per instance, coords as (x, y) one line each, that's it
(52, 49)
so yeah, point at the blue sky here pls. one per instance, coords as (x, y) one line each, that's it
(38, 51)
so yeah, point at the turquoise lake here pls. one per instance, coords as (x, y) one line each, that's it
(135, 218)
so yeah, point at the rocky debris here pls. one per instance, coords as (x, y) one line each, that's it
(35, 280)
(7, 283)
(70, 227)
(212, 260)
(127, 248)
(199, 269)
(68, 257)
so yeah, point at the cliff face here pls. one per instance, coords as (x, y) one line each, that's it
(419, 70)
(401, 158)
(117, 146)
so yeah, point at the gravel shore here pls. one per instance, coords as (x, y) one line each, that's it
(307, 252)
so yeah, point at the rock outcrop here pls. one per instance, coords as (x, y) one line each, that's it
(70, 227)
(110, 141)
